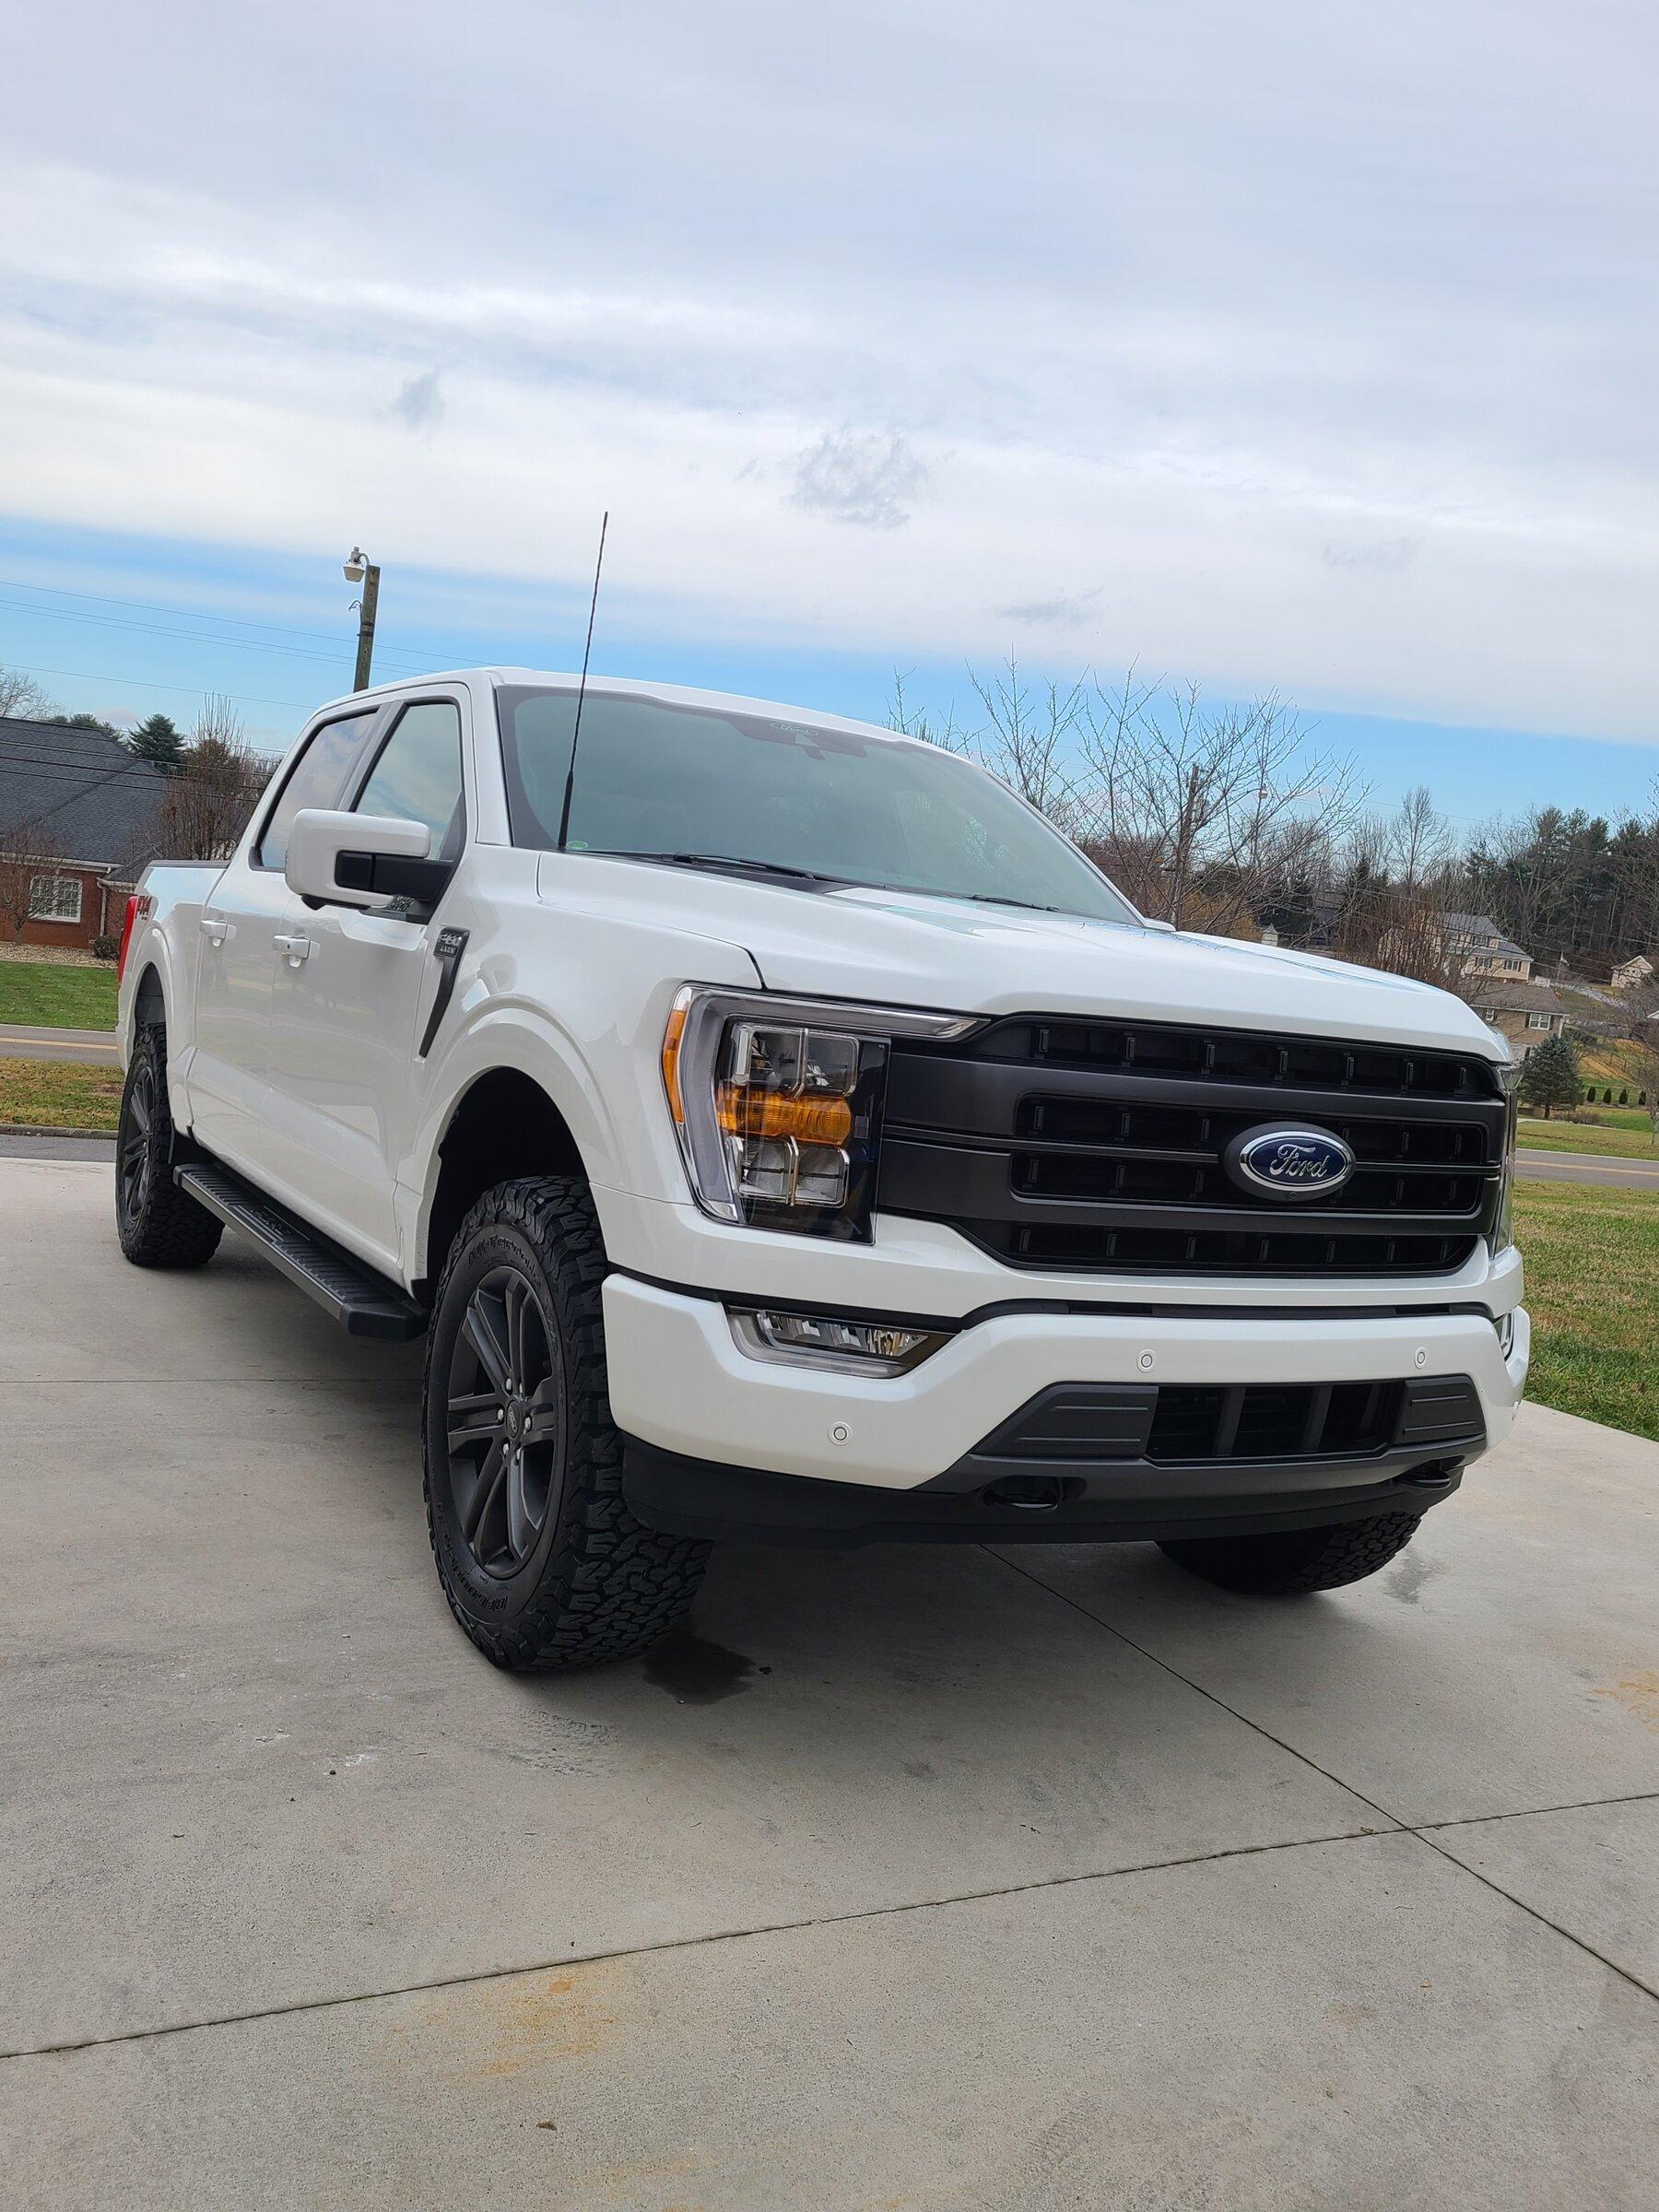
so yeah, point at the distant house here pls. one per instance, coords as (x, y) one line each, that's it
(1526, 1013)
(1475, 946)
(1633, 974)
(77, 822)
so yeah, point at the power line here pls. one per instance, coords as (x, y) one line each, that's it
(150, 682)
(155, 629)
(191, 614)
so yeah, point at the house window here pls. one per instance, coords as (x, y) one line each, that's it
(1537, 1021)
(54, 898)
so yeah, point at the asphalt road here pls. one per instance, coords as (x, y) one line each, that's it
(40, 1040)
(926, 1878)
(1588, 1167)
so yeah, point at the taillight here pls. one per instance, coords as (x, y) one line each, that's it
(138, 906)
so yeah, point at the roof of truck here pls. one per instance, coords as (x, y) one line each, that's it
(627, 686)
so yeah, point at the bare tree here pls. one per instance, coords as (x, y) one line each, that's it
(1198, 813)
(22, 696)
(1637, 1024)
(207, 804)
(1397, 878)
(916, 722)
(21, 845)
(1030, 737)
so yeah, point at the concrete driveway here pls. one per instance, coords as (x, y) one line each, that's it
(921, 1879)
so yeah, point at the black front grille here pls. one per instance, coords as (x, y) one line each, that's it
(1076, 1425)
(1101, 1146)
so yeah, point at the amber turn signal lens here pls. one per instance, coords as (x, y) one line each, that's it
(747, 1109)
(671, 1053)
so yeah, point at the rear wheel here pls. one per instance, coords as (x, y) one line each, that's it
(158, 1225)
(1297, 1561)
(542, 1563)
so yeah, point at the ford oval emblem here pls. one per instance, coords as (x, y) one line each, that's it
(1289, 1164)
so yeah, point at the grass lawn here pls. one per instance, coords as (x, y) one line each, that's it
(1606, 1138)
(58, 1094)
(57, 997)
(1593, 1289)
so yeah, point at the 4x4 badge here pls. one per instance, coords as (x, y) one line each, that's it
(450, 944)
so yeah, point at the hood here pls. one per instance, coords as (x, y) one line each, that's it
(907, 950)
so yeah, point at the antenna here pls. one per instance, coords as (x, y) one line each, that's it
(564, 818)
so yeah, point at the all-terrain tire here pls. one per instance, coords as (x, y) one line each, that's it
(158, 1225)
(1295, 1560)
(584, 1583)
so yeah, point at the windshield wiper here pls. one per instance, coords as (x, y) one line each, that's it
(730, 859)
(1028, 906)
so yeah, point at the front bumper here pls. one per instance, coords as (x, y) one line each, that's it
(689, 1398)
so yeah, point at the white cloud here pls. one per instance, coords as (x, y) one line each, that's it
(1273, 320)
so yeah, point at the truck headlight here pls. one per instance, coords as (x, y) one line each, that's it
(777, 1103)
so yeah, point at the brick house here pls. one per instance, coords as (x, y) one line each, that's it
(1525, 1013)
(77, 822)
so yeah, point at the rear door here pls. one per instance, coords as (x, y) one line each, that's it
(246, 913)
(349, 994)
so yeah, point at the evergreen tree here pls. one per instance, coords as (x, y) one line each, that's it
(1549, 1076)
(160, 742)
(81, 722)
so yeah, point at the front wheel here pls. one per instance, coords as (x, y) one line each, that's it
(1299, 1560)
(542, 1563)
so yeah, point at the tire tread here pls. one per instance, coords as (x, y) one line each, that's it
(611, 1587)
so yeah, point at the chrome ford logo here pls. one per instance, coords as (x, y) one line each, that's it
(1289, 1164)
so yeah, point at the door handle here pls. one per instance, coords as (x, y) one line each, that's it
(216, 929)
(296, 948)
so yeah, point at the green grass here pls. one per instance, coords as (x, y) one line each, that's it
(1592, 1288)
(59, 1094)
(56, 996)
(1634, 1143)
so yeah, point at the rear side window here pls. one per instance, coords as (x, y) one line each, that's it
(316, 779)
(418, 776)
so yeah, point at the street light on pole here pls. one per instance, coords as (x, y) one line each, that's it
(366, 572)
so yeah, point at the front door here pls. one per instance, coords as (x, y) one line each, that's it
(349, 993)
(247, 911)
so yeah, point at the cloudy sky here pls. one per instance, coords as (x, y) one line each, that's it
(1301, 346)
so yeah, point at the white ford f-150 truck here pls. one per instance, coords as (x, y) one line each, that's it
(777, 1130)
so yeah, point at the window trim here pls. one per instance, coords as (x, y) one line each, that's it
(262, 819)
(361, 777)
(57, 876)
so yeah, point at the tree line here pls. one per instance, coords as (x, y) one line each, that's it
(1235, 819)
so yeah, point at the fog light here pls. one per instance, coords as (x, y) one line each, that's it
(865, 1348)
(1505, 1325)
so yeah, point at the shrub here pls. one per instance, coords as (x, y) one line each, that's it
(105, 948)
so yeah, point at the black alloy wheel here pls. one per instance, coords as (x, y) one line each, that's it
(506, 1421)
(158, 1223)
(542, 1563)
(137, 1126)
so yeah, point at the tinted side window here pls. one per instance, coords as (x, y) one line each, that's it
(418, 776)
(316, 779)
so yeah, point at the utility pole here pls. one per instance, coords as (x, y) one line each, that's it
(366, 572)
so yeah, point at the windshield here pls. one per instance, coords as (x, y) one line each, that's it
(715, 784)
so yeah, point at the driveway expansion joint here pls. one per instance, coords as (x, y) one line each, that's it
(1423, 1832)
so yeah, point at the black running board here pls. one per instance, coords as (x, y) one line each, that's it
(364, 1304)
